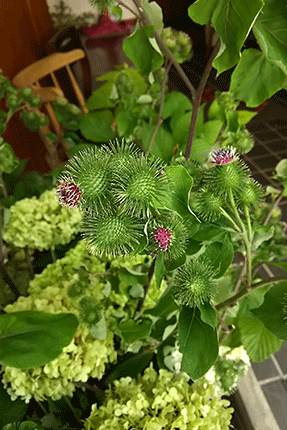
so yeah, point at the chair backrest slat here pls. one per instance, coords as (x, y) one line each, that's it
(45, 66)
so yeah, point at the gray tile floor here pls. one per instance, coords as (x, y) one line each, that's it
(269, 129)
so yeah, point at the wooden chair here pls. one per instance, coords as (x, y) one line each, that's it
(31, 77)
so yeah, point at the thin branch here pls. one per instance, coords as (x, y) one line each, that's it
(146, 287)
(274, 206)
(159, 118)
(167, 52)
(197, 99)
(99, 393)
(244, 292)
(128, 8)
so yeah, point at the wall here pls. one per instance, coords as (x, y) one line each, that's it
(81, 6)
(25, 27)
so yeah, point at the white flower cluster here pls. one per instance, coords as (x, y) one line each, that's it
(163, 401)
(41, 223)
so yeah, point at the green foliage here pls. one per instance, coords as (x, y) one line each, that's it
(197, 342)
(271, 312)
(158, 401)
(257, 340)
(263, 76)
(30, 339)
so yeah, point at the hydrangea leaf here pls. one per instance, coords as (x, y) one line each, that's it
(232, 21)
(270, 31)
(97, 126)
(31, 338)
(197, 342)
(271, 312)
(257, 340)
(10, 410)
(139, 49)
(255, 71)
(132, 331)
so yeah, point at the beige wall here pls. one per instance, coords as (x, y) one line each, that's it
(80, 6)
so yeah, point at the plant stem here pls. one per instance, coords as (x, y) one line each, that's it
(244, 292)
(274, 206)
(67, 400)
(159, 118)
(99, 393)
(53, 254)
(197, 99)
(128, 8)
(2, 185)
(245, 236)
(146, 287)
(167, 52)
(248, 221)
(225, 214)
(5, 275)
(29, 263)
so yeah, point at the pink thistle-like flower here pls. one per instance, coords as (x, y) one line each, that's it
(68, 193)
(223, 155)
(162, 238)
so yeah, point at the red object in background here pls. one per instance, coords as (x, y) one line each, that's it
(106, 26)
(208, 95)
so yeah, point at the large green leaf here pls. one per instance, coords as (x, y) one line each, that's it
(271, 311)
(270, 31)
(142, 53)
(154, 13)
(208, 314)
(255, 78)
(163, 144)
(197, 342)
(202, 10)
(221, 255)
(204, 138)
(30, 339)
(257, 340)
(180, 183)
(100, 99)
(164, 306)
(132, 331)
(174, 102)
(232, 21)
(97, 126)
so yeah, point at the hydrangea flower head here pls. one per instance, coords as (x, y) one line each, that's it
(68, 193)
(223, 155)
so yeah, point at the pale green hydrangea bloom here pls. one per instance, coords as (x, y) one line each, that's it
(163, 401)
(84, 357)
(41, 223)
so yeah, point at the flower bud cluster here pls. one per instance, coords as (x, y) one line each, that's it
(179, 44)
(118, 189)
(161, 402)
(41, 223)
